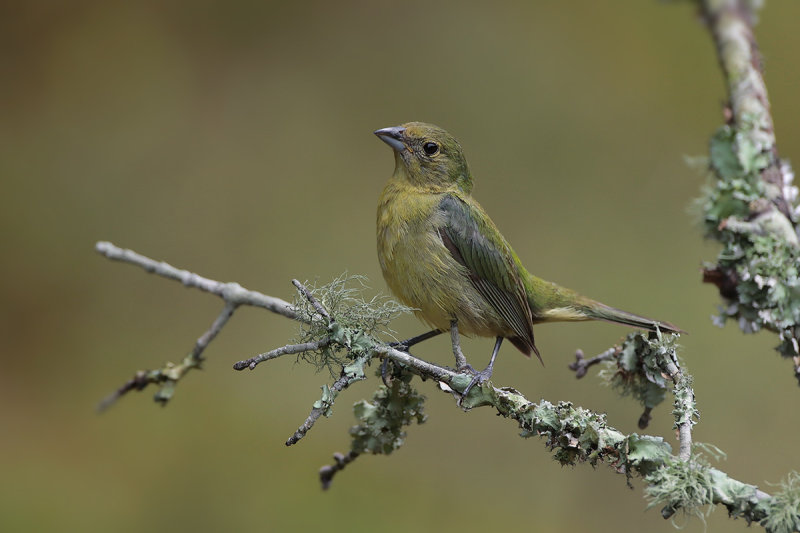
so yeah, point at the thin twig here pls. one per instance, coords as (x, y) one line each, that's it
(312, 300)
(685, 410)
(139, 381)
(233, 294)
(338, 386)
(230, 292)
(582, 365)
(203, 341)
(171, 373)
(283, 350)
(327, 472)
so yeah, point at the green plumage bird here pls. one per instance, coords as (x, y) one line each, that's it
(441, 254)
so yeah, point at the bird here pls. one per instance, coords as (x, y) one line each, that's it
(442, 255)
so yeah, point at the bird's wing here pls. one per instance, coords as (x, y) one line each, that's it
(475, 242)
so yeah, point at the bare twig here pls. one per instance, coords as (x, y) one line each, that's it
(233, 294)
(283, 350)
(582, 365)
(139, 381)
(169, 375)
(327, 472)
(230, 292)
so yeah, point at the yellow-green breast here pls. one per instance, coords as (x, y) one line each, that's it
(418, 268)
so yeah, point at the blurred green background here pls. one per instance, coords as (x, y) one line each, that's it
(235, 139)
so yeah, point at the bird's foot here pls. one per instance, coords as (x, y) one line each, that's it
(386, 372)
(478, 378)
(399, 345)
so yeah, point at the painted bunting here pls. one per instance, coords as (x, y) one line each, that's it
(442, 255)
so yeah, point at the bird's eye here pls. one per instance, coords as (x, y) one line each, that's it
(430, 148)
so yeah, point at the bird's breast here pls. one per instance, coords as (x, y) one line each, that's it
(419, 269)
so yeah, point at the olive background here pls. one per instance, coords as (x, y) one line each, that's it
(235, 139)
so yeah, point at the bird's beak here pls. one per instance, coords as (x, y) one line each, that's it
(393, 137)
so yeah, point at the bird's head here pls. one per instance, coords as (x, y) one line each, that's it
(428, 156)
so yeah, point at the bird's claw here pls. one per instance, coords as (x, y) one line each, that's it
(399, 346)
(478, 378)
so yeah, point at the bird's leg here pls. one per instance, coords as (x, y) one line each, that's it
(486, 373)
(404, 346)
(461, 361)
(408, 343)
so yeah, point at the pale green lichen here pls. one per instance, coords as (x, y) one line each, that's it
(760, 252)
(685, 486)
(355, 323)
(578, 435)
(783, 509)
(636, 369)
(381, 422)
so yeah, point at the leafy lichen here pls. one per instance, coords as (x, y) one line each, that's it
(381, 421)
(636, 369)
(579, 435)
(760, 248)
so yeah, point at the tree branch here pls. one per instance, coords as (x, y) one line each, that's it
(752, 207)
(582, 365)
(233, 294)
(283, 350)
(684, 410)
(575, 434)
(320, 408)
(313, 301)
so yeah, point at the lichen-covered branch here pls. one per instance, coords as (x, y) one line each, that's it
(338, 330)
(684, 408)
(751, 206)
(640, 367)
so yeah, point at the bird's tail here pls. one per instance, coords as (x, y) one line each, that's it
(552, 303)
(598, 311)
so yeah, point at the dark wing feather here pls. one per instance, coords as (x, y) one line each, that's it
(474, 242)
